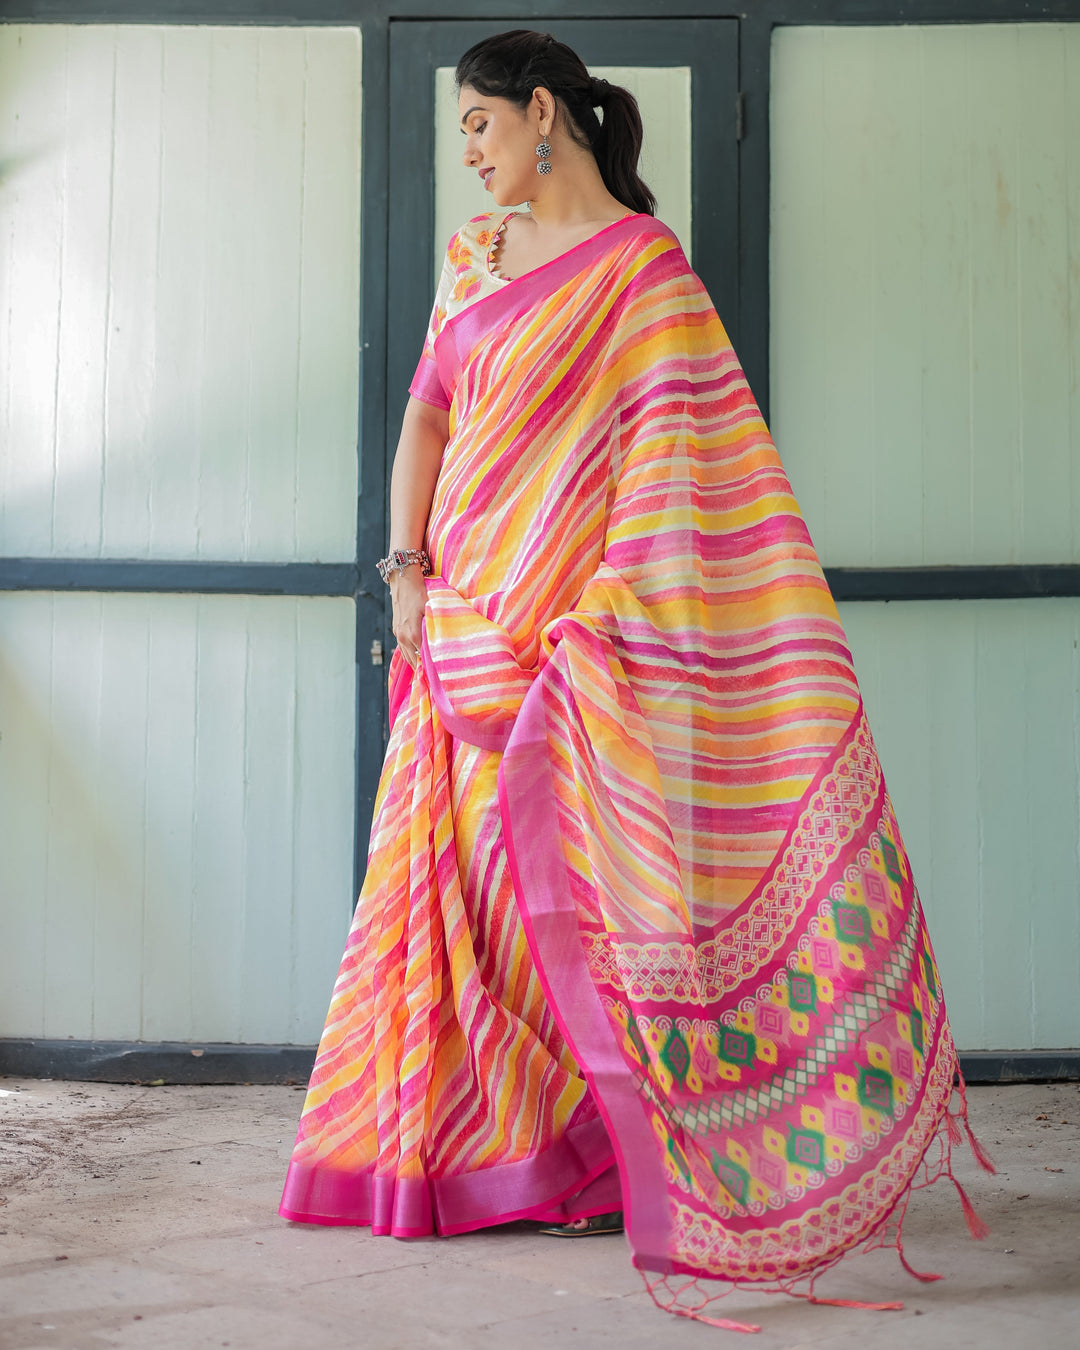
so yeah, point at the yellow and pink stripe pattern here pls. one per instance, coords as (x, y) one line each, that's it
(634, 876)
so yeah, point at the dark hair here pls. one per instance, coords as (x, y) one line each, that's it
(512, 65)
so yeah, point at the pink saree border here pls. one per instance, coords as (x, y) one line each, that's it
(531, 831)
(467, 328)
(519, 1190)
(573, 1178)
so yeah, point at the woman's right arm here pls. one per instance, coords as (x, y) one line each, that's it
(424, 433)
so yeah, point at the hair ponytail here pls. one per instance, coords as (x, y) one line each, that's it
(512, 65)
(617, 146)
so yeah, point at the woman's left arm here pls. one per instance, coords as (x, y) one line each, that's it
(424, 433)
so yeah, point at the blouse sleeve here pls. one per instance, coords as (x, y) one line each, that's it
(426, 384)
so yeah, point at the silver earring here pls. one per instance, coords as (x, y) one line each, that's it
(543, 157)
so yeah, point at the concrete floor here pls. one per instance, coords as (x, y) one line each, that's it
(145, 1217)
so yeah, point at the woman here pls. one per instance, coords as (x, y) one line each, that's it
(638, 930)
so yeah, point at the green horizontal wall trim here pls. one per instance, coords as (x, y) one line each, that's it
(953, 583)
(1020, 1066)
(205, 1062)
(186, 577)
(196, 1062)
(355, 11)
(235, 578)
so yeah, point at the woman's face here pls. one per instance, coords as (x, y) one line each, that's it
(500, 144)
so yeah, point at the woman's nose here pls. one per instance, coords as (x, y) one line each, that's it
(471, 155)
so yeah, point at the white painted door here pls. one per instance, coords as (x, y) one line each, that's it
(925, 286)
(179, 302)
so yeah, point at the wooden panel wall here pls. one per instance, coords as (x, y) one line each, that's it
(926, 290)
(975, 707)
(176, 815)
(926, 401)
(179, 368)
(179, 291)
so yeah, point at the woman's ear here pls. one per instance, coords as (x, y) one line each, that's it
(543, 104)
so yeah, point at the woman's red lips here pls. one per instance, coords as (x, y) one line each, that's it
(485, 174)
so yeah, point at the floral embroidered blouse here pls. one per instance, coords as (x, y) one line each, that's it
(467, 275)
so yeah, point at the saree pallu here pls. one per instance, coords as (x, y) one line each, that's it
(636, 893)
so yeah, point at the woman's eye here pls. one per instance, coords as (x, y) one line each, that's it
(479, 128)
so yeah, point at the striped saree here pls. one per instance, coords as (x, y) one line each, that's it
(638, 929)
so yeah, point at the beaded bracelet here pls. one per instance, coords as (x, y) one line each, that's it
(400, 558)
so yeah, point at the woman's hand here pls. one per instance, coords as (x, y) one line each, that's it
(412, 486)
(424, 430)
(408, 595)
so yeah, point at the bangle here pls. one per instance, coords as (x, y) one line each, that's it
(400, 558)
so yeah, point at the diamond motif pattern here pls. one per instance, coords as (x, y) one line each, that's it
(797, 1036)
